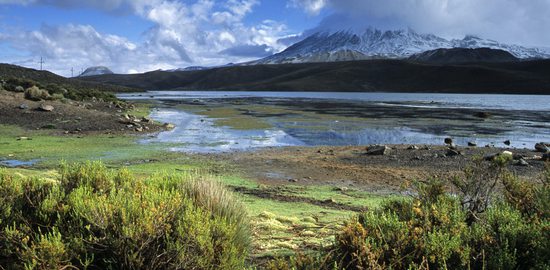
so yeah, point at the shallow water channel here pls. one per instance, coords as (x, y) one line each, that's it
(228, 121)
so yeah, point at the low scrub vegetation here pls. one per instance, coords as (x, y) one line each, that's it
(38, 91)
(95, 218)
(475, 228)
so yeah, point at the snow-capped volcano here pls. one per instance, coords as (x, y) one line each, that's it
(327, 46)
(93, 71)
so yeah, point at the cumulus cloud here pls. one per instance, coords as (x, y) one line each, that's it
(183, 34)
(514, 21)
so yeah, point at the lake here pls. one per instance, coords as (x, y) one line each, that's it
(227, 121)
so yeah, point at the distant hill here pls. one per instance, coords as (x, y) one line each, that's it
(521, 77)
(93, 71)
(464, 55)
(8, 71)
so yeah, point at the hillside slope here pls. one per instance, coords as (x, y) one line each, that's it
(8, 71)
(530, 77)
(462, 55)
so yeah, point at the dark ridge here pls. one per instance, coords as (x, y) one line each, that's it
(519, 77)
(464, 55)
(8, 71)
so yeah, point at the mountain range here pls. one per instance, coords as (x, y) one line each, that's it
(349, 45)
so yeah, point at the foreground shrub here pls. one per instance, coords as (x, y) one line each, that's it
(435, 230)
(36, 94)
(101, 219)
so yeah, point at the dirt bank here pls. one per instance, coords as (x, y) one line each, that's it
(351, 167)
(69, 116)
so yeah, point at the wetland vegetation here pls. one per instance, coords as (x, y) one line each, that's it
(123, 199)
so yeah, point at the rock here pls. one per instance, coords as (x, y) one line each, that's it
(482, 114)
(343, 189)
(545, 157)
(412, 147)
(521, 162)
(453, 146)
(19, 89)
(378, 150)
(507, 142)
(452, 153)
(23, 106)
(146, 120)
(46, 108)
(331, 200)
(24, 139)
(169, 126)
(139, 129)
(492, 157)
(542, 147)
(448, 140)
(292, 180)
(472, 144)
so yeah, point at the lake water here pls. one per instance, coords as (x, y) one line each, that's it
(228, 121)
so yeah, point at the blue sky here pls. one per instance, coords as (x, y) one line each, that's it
(141, 35)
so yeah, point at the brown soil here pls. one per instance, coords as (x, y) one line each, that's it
(350, 166)
(68, 117)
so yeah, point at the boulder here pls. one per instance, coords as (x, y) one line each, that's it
(542, 147)
(168, 126)
(23, 106)
(452, 153)
(46, 108)
(482, 114)
(378, 150)
(19, 89)
(492, 157)
(507, 142)
(546, 157)
(472, 144)
(448, 141)
(521, 162)
(413, 147)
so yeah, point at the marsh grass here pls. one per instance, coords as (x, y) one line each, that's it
(96, 218)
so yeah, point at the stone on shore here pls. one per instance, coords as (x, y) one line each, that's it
(542, 147)
(169, 126)
(46, 108)
(378, 150)
(452, 153)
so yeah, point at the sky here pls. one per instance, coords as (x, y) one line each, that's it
(130, 36)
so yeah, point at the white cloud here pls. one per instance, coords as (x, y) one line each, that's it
(513, 21)
(183, 34)
(312, 7)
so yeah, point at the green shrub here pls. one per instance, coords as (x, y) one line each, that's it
(102, 219)
(13, 83)
(36, 94)
(438, 230)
